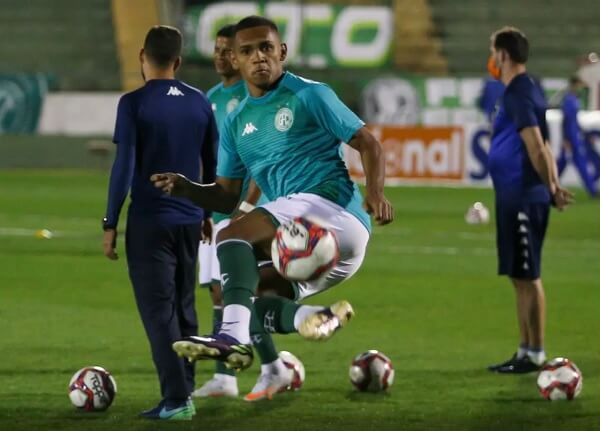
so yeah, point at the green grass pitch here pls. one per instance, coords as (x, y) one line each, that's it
(427, 296)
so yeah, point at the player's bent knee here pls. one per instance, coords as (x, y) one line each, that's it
(255, 228)
(230, 233)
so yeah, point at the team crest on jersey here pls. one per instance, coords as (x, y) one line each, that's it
(284, 119)
(232, 104)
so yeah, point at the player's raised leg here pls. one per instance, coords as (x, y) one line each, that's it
(239, 278)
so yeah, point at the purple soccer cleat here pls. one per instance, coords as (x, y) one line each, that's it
(220, 347)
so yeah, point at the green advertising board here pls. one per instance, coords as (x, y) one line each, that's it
(317, 35)
(21, 97)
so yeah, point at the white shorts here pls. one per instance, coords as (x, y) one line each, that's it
(205, 262)
(351, 234)
(207, 256)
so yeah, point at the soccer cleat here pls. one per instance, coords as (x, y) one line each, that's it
(221, 347)
(506, 363)
(323, 324)
(520, 366)
(181, 412)
(218, 387)
(191, 405)
(270, 384)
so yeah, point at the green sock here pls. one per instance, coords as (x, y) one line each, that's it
(239, 273)
(262, 342)
(275, 314)
(220, 367)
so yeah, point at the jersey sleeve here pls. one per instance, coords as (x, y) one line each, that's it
(330, 112)
(520, 110)
(229, 163)
(125, 127)
(123, 166)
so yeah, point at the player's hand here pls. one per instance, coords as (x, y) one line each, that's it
(562, 198)
(109, 244)
(379, 207)
(170, 183)
(207, 230)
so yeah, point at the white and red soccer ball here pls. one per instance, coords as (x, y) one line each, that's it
(371, 371)
(92, 389)
(303, 250)
(560, 379)
(293, 363)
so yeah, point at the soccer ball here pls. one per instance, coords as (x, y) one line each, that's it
(303, 250)
(92, 389)
(477, 214)
(294, 364)
(371, 371)
(560, 379)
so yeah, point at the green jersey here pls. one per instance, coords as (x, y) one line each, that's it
(288, 140)
(224, 100)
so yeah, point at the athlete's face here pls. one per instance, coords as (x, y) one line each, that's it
(259, 56)
(222, 56)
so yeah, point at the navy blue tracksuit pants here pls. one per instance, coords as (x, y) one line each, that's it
(162, 268)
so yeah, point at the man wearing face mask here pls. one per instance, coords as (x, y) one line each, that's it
(526, 183)
(164, 125)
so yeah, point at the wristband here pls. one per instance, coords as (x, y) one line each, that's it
(246, 207)
(107, 226)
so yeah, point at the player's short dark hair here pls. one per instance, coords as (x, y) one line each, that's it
(163, 45)
(514, 42)
(256, 21)
(227, 31)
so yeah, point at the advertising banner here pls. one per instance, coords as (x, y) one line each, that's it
(431, 101)
(21, 97)
(417, 153)
(317, 35)
(458, 155)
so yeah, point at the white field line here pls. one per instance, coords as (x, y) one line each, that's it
(477, 251)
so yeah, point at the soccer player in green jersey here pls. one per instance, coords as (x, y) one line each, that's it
(286, 135)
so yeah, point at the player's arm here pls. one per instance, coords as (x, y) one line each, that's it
(373, 161)
(543, 162)
(222, 195)
(335, 117)
(521, 111)
(121, 175)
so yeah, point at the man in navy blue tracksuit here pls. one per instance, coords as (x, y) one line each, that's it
(163, 126)
(525, 183)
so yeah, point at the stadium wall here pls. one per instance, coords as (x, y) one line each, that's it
(55, 152)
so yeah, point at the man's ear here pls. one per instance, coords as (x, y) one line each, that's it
(177, 63)
(503, 55)
(142, 56)
(284, 51)
(234, 61)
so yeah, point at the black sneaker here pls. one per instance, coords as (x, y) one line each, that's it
(496, 367)
(520, 366)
